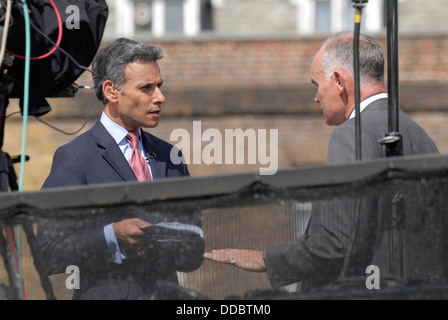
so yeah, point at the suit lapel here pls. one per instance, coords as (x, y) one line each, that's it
(112, 153)
(158, 167)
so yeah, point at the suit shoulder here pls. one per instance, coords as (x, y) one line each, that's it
(154, 139)
(344, 128)
(79, 142)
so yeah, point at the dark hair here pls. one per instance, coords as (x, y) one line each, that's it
(110, 62)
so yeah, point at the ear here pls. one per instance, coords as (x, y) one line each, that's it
(110, 91)
(340, 82)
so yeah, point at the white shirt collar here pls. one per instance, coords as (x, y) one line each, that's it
(115, 130)
(368, 101)
(119, 133)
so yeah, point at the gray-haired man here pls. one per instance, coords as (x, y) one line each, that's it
(317, 257)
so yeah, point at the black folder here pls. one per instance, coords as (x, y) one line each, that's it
(172, 232)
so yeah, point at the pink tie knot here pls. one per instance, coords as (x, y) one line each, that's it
(132, 138)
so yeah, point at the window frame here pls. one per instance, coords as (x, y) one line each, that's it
(125, 25)
(372, 18)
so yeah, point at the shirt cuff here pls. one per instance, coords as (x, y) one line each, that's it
(112, 243)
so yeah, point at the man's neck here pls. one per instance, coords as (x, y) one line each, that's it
(364, 103)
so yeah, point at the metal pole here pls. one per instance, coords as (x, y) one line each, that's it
(393, 140)
(393, 144)
(392, 51)
(358, 12)
(358, 5)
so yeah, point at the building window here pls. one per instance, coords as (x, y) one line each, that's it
(325, 16)
(174, 16)
(206, 15)
(143, 18)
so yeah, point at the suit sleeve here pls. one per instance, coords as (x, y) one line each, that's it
(62, 240)
(189, 255)
(317, 256)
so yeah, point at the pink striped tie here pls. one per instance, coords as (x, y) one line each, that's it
(138, 163)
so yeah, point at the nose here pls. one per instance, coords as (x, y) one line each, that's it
(159, 96)
(316, 98)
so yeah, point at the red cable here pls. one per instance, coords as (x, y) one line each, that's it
(58, 42)
(16, 260)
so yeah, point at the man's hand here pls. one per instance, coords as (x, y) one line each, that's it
(129, 232)
(250, 260)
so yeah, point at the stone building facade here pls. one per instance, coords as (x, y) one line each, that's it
(147, 19)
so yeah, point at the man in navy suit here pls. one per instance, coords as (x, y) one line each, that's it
(114, 261)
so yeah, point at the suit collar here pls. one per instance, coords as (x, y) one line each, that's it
(155, 155)
(374, 98)
(369, 102)
(380, 104)
(112, 153)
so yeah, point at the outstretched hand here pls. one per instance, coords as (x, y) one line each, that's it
(249, 260)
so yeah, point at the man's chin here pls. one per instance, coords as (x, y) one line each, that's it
(151, 124)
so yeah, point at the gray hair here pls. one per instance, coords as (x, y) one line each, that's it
(110, 62)
(338, 53)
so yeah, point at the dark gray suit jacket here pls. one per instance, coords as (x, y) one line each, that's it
(317, 257)
(94, 158)
(374, 126)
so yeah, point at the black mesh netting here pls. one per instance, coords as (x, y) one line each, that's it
(389, 214)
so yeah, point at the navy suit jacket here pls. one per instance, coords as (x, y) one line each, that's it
(93, 158)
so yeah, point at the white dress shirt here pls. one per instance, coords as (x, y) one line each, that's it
(368, 101)
(119, 133)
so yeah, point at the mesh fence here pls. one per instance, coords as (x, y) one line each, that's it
(382, 221)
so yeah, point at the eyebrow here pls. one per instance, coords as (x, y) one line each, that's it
(143, 84)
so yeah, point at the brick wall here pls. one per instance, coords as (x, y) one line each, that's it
(273, 75)
(247, 84)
